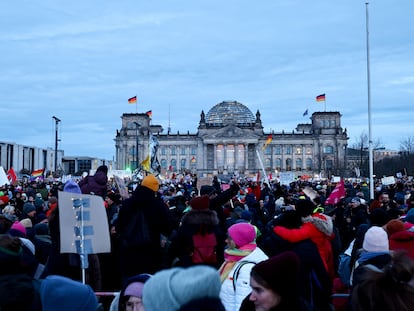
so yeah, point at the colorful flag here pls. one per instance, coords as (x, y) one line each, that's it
(132, 100)
(38, 173)
(268, 141)
(305, 113)
(337, 194)
(149, 114)
(320, 98)
(146, 163)
(11, 175)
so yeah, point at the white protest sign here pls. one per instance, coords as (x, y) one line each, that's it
(389, 180)
(83, 215)
(286, 178)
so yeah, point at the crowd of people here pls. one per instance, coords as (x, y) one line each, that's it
(242, 245)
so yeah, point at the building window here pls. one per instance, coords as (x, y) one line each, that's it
(268, 150)
(329, 164)
(278, 164)
(183, 163)
(308, 150)
(288, 149)
(268, 164)
(173, 151)
(298, 150)
(288, 164)
(328, 149)
(309, 164)
(174, 164)
(163, 151)
(163, 164)
(230, 156)
(84, 165)
(240, 156)
(278, 150)
(182, 151)
(220, 155)
(193, 151)
(298, 164)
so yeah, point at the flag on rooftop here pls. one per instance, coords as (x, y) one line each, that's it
(132, 100)
(320, 98)
(305, 113)
(149, 114)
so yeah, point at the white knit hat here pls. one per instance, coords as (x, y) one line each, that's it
(376, 240)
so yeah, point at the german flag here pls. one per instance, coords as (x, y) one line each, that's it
(320, 98)
(132, 100)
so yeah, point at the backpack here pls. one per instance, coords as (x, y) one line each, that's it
(137, 233)
(204, 251)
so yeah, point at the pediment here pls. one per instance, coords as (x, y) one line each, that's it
(230, 131)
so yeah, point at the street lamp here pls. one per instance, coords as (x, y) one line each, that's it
(57, 120)
(137, 125)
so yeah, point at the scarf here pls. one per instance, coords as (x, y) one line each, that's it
(232, 256)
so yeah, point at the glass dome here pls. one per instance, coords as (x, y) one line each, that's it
(229, 112)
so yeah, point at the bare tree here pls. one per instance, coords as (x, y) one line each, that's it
(407, 145)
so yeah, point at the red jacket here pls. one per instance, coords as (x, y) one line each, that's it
(403, 240)
(319, 229)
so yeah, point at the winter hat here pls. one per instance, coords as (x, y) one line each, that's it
(173, 288)
(52, 200)
(356, 201)
(39, 195)
(376, 240)
(281, 272)
(242, 233)
(72, 187)
(58, 292)
(17, 226)
(200, 203)
(151, 182)
(410, 216)
(27, 223)
(130, 287)
(28, 207)
(393, 226)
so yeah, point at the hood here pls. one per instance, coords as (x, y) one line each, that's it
(322, 222)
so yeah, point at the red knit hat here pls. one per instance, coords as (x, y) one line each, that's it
(200, 203)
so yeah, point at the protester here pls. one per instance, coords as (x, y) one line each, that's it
(130, 297)
(240, 256)
(387, 288)
(183, 289)
(199, 238)
(97, 183)
(142, 219)
(275, 285)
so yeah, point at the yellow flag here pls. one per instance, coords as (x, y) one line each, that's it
(146, 163)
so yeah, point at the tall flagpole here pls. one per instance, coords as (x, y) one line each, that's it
(371, 163)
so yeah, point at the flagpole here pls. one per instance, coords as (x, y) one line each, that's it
(371, 163)
(262, 167)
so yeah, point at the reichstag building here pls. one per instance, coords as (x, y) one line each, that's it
(230, 140)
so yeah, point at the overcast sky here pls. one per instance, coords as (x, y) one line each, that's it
(81, 60)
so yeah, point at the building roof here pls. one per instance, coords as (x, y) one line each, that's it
(230, 112)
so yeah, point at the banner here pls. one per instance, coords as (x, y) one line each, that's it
(83, 224)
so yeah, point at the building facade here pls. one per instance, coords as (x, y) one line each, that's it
(27, 158)
(230, 140)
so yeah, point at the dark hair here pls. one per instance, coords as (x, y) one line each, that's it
(391, 286)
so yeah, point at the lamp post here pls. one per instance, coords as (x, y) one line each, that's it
(137, 125)
(57, 120)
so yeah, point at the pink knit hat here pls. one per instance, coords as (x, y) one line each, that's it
(242, 233)
(17, 225)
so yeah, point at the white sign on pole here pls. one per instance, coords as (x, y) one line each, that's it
(83, 224)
